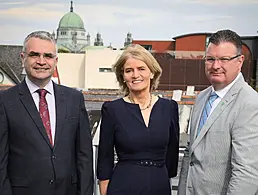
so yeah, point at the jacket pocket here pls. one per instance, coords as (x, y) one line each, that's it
(19, 181)
(74, 179)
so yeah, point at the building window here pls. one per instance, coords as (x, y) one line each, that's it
(63, 33)
(105, 70)
(83, 34)
(148, 47)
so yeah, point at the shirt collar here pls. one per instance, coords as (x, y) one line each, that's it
(33, 87)
(222, 92)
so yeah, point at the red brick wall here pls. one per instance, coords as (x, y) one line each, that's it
(246, 52)
(157, 46)
(191, 43)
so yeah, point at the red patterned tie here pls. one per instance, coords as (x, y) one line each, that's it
(44, 114)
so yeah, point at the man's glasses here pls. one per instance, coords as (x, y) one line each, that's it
(36, 55)
(223, 60)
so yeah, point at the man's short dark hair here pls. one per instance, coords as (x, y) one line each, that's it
(227, 36)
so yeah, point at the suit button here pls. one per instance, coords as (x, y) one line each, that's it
(54, 157)
(51, 181)
(191, 164)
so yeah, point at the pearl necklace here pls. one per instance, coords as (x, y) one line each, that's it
(148, 106)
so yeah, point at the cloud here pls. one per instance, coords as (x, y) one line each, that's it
(13, 3)
(100, 15)
(145, 19)
(103, 14)
(205, 18)
(114, 21)
(14, 34)
(224, 2)
(39, 11)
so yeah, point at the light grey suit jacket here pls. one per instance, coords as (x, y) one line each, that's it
(223, 158)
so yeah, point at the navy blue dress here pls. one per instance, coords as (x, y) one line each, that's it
(147, 156)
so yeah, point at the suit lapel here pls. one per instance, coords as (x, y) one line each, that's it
(228, 98)
(28, 103)
(60, 111)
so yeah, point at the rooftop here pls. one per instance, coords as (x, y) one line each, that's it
(10, 61)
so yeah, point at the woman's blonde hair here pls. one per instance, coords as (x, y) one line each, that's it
(140, 53)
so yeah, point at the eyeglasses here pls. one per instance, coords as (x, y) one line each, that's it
(223, 60)
(36, 55)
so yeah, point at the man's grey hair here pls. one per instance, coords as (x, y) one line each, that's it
(227, 36)
(44, 35)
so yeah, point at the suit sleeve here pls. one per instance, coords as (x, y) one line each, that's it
(173, 146)
(84, 153)
(5, 188)
(244, 159)
(106, 145)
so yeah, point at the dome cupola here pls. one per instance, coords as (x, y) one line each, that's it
(71, 20)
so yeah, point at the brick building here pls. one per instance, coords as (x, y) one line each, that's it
(185, 48)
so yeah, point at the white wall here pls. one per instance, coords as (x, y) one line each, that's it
(100, 58)
(71, 69)
(82, 70)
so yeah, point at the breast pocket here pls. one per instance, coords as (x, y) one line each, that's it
(19, 181)
(74, 179)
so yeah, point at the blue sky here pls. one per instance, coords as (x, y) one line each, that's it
(145, 19)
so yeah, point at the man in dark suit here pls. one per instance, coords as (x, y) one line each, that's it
(45, 142)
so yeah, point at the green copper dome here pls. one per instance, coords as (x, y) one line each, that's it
(71, 20)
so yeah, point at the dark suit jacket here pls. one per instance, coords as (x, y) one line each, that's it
(28, 163)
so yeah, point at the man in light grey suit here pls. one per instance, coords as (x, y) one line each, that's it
(222, 155)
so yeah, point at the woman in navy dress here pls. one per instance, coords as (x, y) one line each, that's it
(142, 128)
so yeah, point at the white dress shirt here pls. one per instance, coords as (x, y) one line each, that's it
(50, 98)
(222, 92)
